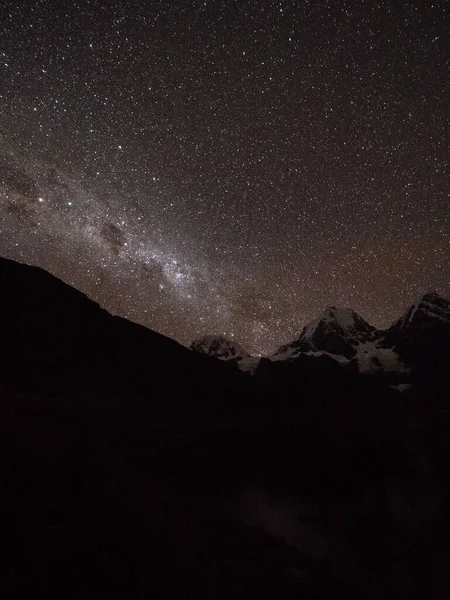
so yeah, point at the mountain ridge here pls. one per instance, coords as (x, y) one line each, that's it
(343, 335)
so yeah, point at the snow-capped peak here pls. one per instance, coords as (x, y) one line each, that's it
(336, 331)
(222, 348)
(219, 347)
(429, 307)
(343, 319)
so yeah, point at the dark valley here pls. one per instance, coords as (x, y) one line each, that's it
(133, 467)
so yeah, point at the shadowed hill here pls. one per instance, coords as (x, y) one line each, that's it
(56, 341)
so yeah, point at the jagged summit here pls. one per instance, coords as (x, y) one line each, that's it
(433, 297)
(219, 346)
(222, 348)
(336, 331)
(428, 308)
(345, 320)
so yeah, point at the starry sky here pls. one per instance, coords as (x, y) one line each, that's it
(228, 166)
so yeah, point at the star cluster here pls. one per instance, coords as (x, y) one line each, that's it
(228, 167)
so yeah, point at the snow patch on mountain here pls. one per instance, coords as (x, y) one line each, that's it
(401, 387)
(248, 364)
(370, 358)
(292, 353)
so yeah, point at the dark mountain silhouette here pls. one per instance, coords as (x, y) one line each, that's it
(58, 342)
(132, 467)
(421, 337)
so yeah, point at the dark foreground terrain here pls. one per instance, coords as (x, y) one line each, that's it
(131, 467)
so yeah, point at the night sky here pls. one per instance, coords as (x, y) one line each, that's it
(228, 167)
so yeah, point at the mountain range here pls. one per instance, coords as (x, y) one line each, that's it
(133, 467)
(345, 337)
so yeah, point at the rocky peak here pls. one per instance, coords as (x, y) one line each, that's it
(219, 347)
(429, 308)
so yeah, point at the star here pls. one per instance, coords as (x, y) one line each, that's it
(228, 169)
